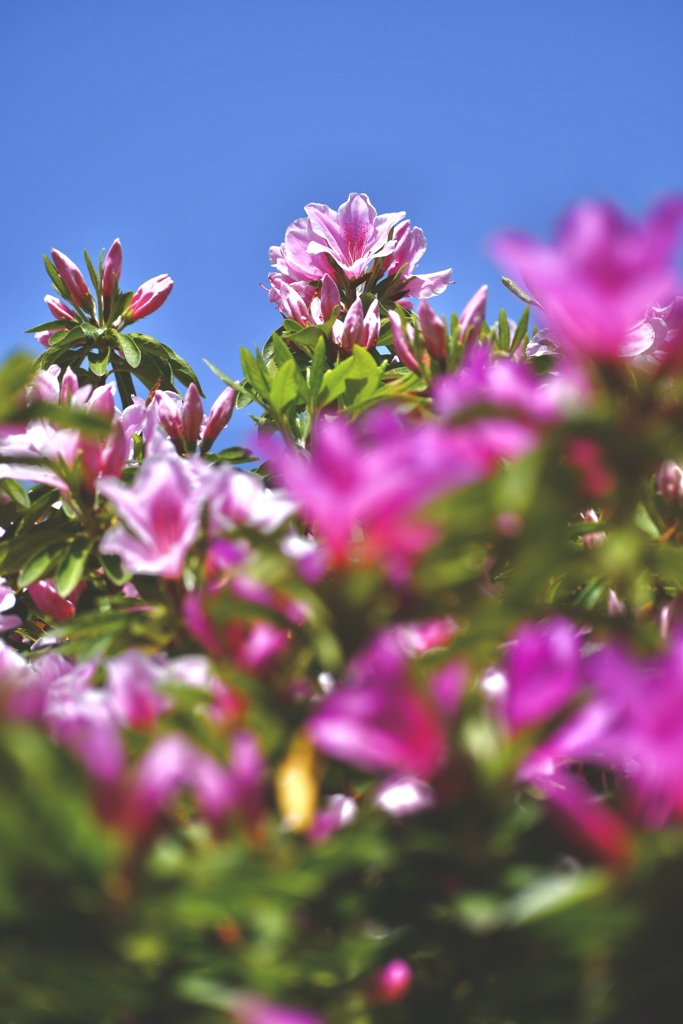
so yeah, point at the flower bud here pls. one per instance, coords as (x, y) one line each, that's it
(58, 309)
(148, 297)
(218, 418)
(670, 480)
(392, 982)
(472, 317)
(433, 330)
(192, 414)
(72, 278)
(111, 270)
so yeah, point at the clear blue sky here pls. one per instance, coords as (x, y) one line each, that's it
(197, 131)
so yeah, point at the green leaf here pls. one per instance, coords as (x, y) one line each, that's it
(56, 279)
(254, 374)
(49, 325)
(503, 332)
(281, 354)
(131, 352)
(72, 566)
(14, 490)
(93, 273)
(40, 564)
(520, 330)
(285, 388)
(317, 369)
(99, 363)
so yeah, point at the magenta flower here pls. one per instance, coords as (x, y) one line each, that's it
(149, 297)
(543, 669)
(160, 517)
(252, 1009)
(602, 274)
(376, 720)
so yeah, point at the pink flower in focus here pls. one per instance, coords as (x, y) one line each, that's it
(352, 236)
(601, 275)
(148, 297)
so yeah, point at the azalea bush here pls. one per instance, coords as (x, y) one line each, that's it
(378, 718)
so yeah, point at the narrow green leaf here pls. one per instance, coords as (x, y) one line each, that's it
(317, 369)
(72, 565)
(520, 330)
(56, 279)
(18, 494)
(253, 373)
(91, 270)
(40, 564)
(49, 325)
(503, 332)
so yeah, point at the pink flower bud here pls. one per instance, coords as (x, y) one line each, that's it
(433, 330)
(219, 416)
(72, 278)
(58, 309)
(472, 317)
(111, 270)
(392, 982)
(192, 416)
(403, 350)
(48, 601)
(149, 296)
(670, 480)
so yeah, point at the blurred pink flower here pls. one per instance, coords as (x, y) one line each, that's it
(160, 517)
(601, 275)
(376, 720)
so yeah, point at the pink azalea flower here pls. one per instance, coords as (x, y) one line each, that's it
(379, 474)
(171, 764)
(376, 720)
(601, 275)
(160, 517)
(353, 236)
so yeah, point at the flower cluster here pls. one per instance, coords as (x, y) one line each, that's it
(389, 724)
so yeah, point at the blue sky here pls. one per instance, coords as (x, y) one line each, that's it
(197, 132)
